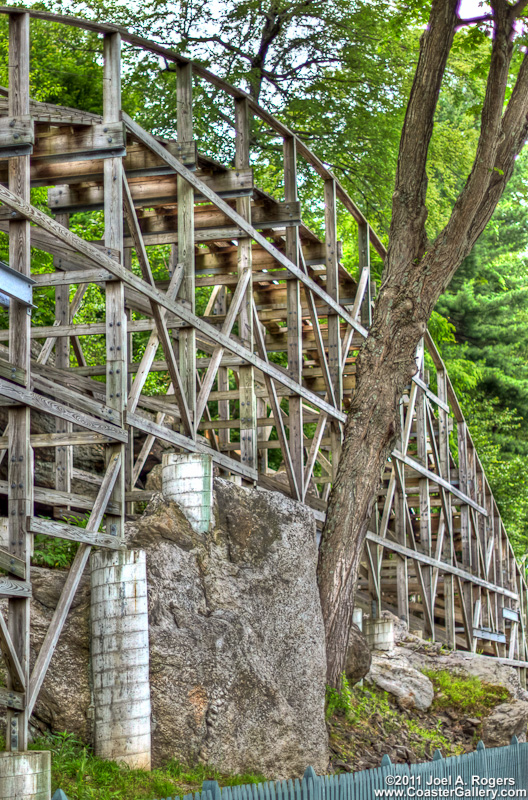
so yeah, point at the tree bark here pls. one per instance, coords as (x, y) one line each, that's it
(415, 274)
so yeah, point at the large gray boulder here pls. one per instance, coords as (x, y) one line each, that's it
(505, 721)
(237, 658)
(236, 634)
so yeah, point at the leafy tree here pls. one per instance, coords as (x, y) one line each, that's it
(417, 270)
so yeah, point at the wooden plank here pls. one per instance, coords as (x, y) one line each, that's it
(181, 310)
(149, 354)
(218, 352)
(12, 699)
(180, 388)
(74, 533)
(16, 673)
(294, 349)
(115, 317)
(13, 373)
(9, 587)
(410, 462)
(151, 142)
(168, 435)
(75, 276)
(20, 454)
(63, 454)
(277, 413)
(185, 249)
(442, 566)
(77, 400)
(73, 579)
(156, 191)
(61, 498)
(490, 636)
(95, 141)
(48, 406)
(17, 135)
(62, 439)
(509, 613)
(11, 563)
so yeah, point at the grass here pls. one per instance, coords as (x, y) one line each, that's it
(369, 708)
(466, 694)
(83, 776)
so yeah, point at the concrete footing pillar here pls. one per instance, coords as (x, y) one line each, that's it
(188, 480)
(379, 633)
(25, 775)
(120, 657)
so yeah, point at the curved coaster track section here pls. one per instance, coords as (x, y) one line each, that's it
(437, 553)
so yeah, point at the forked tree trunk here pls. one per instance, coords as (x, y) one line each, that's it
(416, 272)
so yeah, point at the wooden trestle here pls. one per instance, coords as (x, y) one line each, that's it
(437, 552)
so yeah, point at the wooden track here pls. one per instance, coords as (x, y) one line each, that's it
(437, 552)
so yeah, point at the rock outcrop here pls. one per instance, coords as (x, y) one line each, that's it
(395, 675)
(237, 655)
(505, 721)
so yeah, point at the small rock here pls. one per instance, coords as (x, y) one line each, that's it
(411, 688)
(342, 765)
(473, 721)
(505, 721)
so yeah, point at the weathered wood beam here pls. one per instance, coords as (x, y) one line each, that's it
(48, 406)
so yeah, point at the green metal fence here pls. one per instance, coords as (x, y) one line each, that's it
(503, 770)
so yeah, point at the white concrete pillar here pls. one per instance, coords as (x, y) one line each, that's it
(188, 480)
(357, 617)
(25, 775)
(120, 657)
(379, 634)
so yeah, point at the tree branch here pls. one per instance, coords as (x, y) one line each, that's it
(409, 212)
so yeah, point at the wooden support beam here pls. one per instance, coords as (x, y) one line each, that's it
(74, 577)
(294, 321)
(48, 406)
(20, 454)
(277, 413)
(115, 317)
(246, 377)
(100, 259)
(178, 382)
(187, 336)
(191, 178)
(167, 435)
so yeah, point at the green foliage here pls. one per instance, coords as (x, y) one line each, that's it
(82, 776)
(52, 552)
(365, 707)
(465, 693)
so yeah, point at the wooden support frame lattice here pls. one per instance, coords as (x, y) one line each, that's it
(437, 553)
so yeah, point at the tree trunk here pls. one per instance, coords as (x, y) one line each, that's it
(416, 272)
(385, 366)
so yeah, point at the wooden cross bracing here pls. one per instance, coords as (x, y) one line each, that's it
(261, 376)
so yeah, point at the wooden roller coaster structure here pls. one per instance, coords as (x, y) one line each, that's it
(437, 552)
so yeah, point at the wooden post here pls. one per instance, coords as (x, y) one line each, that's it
(116, 328)
(187, 336)
(64, 453)
(449, 545)
(20, 479)
(248, 406)
(364, 261)
(293, 305)
(335, 362)
(423, 483)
